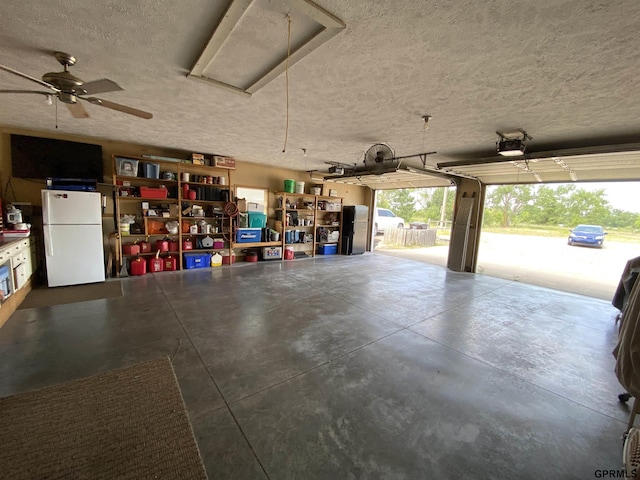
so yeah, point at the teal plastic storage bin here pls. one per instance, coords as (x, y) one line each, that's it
(257, 220)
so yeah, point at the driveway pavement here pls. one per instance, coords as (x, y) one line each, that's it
(543, 261)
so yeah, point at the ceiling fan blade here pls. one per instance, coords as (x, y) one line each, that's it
(99, 86)
(77, 110)
(29, 77)
(118, 107)
(29, 91)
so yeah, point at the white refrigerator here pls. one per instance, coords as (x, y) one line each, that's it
(73, 241)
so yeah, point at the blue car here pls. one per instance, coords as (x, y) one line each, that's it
(591, 235)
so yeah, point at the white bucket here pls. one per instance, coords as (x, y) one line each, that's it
(317, 190)
(299, 187)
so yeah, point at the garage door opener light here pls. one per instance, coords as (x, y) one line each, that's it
(510, 144)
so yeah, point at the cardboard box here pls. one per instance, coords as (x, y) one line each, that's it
(197, 158)
(224, 162)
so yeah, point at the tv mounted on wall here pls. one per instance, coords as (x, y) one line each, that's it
(35, 157)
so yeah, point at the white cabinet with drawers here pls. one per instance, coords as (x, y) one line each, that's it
(16, 269)
(16, 254)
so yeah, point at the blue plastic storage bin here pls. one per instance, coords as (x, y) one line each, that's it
(151, 170)
(196, 260)
(248, 235)
(328, 249)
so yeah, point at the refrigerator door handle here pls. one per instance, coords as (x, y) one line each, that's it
(48, 241)
(45, 207)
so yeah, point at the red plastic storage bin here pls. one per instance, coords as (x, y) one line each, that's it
(151, 192)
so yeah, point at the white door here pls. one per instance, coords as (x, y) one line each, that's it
(74, 254)
(62, 207)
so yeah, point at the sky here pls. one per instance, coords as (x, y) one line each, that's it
(621, 195)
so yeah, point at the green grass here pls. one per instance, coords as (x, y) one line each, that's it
(627, 236)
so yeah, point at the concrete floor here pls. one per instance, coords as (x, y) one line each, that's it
(353, 367)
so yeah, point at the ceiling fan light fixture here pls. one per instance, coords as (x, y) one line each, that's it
(69, 98)
(48, 100)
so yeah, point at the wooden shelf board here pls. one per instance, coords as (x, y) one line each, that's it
(148, 254)
(205, 250)
(214, 185)
(203, 201)
(125, 178)
(145, 199)
(256, 244)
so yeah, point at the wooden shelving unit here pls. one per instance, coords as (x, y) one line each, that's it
(207, 182)
(314, 217)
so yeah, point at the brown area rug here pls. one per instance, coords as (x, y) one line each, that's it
(46, 297)
(124, 424)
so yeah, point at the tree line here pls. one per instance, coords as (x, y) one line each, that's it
(418, 204)
(512, 205)
(567, 205)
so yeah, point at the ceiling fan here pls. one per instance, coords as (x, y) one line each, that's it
(69, 89)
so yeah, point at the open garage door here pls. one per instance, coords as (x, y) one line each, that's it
(572, 237)
(414, 223)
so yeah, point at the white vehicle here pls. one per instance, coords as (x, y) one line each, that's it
(384, 218)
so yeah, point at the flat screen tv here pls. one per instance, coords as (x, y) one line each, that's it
(35, 157)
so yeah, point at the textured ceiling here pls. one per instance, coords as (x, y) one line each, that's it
(568, 72)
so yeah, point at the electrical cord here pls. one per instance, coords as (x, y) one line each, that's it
(231, 210)
(286, 76)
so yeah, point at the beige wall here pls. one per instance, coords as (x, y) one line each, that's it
(246, 174)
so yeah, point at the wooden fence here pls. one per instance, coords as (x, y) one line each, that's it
(404, 237)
